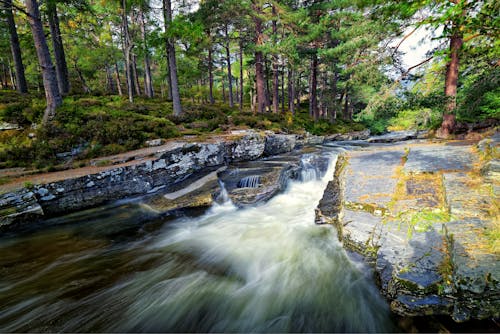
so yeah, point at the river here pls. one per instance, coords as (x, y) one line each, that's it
(125, 268)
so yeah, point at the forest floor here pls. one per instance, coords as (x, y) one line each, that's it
(88, 127)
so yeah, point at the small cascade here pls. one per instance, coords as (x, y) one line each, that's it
(223, 196)
(309, 172)
(251, 181)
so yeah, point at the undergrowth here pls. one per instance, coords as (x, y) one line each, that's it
(96, 126)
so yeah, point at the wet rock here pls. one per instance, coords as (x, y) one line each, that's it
(476, 271)
(393, 137)
(356, 135)
(361, 232)
(433, 158)
(249, 147)
(421, 268)
(278, 144)
(329, 210)
(490, 147)
(272, 180)
(370, 180)
(491, 170)
(155, 142)
(19, 208)
(309, 139)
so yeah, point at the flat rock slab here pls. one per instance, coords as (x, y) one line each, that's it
(371, 176)
(468, 196)
(434, 158)
(361, 231)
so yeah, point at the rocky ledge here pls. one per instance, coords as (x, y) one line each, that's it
(425, 216)
(172, 168)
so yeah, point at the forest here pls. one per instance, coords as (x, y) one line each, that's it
(104, 76)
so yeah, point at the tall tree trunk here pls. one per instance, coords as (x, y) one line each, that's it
(275, 65)
(283, 90)
(229, 73)
(3, 79)
(223, 91)
(109, 79)
(268, 84)
(346, 104)
(127, 48)
(236, 84)
(450, 84)
(137, 84)
(148, 80)
(291, 92)
(210, 73)
(57, 44)
(313, 98)
(259, 58)
(52, 95)
(11, 75)
(176, 97)
(118, 80)
(85, 87)
(15, 48)
(333, 107)
(241, 75)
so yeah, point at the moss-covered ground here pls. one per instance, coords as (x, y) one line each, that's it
(96, 126)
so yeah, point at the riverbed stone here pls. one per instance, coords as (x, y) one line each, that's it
(431, 245)
(278, 144)
(394, 136)
(433, 158)
(371, 178)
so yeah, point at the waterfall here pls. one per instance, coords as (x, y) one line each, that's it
(266, 268)
(223, 195)
(309, 172)
(251, 181)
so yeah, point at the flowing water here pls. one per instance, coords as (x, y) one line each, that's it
(267, 268)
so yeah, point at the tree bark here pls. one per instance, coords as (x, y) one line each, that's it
(11, 75)
(118, 80)
(109, 80)
(127, 48)
(176, 97)
(450, 85)
(291, 92)
(137, 85)
(148, 80)
(86, 88)
(241, 75)
(210, 73)
(52, 95)
(57, 44)
(313, 98)
(333, 111)
(346, 105)
(259, 58)
(275, 65)
(21, 85)
(229, 73)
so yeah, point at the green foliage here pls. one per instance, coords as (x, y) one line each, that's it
(107, 125)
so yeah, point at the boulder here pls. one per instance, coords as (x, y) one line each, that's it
(278, 144)
(356, 135)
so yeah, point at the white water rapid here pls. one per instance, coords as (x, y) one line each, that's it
(266, 268)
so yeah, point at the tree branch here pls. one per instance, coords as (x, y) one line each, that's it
(414, 66)
(404, 39)
(11, 5)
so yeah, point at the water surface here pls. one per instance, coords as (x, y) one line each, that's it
(124, 268)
